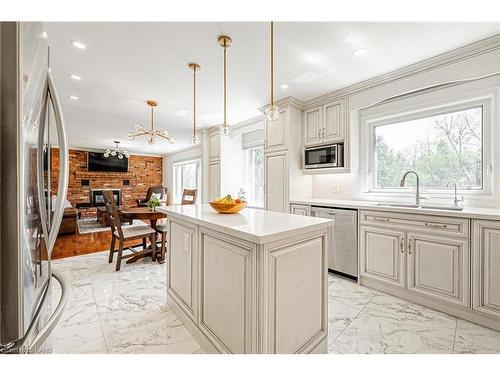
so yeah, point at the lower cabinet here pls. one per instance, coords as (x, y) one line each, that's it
(438, 267)
(427, 264)
(300, 209)
(181, 266)
(382, 255)
(486, 267)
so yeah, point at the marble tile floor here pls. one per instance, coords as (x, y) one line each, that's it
(127, 312)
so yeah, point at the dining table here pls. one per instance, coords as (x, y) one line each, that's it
(145, 214)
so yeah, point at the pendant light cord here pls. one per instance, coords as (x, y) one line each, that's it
(194, 101)
(152, 115)
(225, 82)
(272, 63)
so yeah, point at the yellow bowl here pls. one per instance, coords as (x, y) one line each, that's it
(224, 208)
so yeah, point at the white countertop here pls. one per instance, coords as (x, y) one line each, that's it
(467, 212)
(250, 224)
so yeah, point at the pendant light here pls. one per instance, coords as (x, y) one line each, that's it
(225, 42)
(116, 152)
(151, 133)
(195, 139)
(272, 111)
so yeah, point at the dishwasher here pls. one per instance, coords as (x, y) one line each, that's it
(343, 239)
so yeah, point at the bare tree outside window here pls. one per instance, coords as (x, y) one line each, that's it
(441, 148)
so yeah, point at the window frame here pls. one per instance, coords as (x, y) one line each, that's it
(376, 117)
(199, 177)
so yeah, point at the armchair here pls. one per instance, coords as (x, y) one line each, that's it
(152, 190)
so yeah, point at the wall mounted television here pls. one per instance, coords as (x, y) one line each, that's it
(96, 162)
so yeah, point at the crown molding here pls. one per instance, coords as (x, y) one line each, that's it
(289, 101)
(480, 47)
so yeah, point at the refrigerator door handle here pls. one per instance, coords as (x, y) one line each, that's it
(62, 188)
(50, 234)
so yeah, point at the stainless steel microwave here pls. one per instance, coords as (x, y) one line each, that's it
(327, 156)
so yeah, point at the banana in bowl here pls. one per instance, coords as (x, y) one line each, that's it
(228, 205)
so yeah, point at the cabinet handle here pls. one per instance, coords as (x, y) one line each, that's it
(384, 219)
(401, 245)
(409, 246)
(431, 225)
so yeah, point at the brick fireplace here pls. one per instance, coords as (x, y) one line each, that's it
(143, 172)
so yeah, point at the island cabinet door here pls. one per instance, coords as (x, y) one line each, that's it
(181, 278)
(227, 292)
(382, 255)
(295, 293)
(486, 267)
(438, 267)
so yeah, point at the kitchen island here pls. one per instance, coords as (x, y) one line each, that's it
(252, 282)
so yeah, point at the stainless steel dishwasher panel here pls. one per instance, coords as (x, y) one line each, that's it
(343, 246)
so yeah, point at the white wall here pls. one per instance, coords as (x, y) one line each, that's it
(351, 184)
(168, 167)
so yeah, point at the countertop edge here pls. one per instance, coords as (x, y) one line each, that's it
(368, 205)
(259, 240)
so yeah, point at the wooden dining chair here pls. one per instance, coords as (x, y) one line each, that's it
(188, 197)
(126, 233)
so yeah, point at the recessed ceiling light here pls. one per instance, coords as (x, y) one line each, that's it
(72, 97)
(75, 77)
(284, 86)
(359, 52)
(182, 113)
(78, 44)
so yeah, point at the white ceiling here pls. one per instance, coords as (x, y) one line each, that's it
(126, 63)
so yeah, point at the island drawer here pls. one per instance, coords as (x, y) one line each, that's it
(450, 226)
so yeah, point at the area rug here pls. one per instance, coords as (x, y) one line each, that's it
(92, 225)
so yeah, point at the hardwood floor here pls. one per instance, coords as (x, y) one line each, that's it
(79, 244)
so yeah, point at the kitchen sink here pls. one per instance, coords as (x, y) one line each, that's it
(403, 205)
(413, 205)
(449, 208)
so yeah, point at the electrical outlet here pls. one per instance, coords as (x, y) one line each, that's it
(334, 188)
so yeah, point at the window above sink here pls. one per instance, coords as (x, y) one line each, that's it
(445, 142)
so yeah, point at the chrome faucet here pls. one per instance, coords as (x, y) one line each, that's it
(417, 193)
(455, 200)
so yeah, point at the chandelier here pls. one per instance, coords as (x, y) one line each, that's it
(151, 133)
(272, 111)
(116, 152)
(195, 139)
(225, 42)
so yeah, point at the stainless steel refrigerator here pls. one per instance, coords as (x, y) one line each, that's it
(32, 125)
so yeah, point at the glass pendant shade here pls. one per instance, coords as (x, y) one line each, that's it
(171, 140)
(131, 136)
(195, 139)
(272, 112)
(151, 141)
(225, 130)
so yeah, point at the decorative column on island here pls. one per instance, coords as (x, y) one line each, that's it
(253, 282)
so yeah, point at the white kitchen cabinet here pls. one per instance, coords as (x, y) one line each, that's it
(438, 267)
(181, 266)
(382, 255)
(276, 181)
(334, 120)
(276, 133)
(325, 124)
(313, 126)
(213, 181)
(300, 209)
(486, 267)
(214, 147)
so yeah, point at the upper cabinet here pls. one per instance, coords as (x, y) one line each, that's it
(313, 126)
(325, 124)
(214, 146)
(276, 136)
